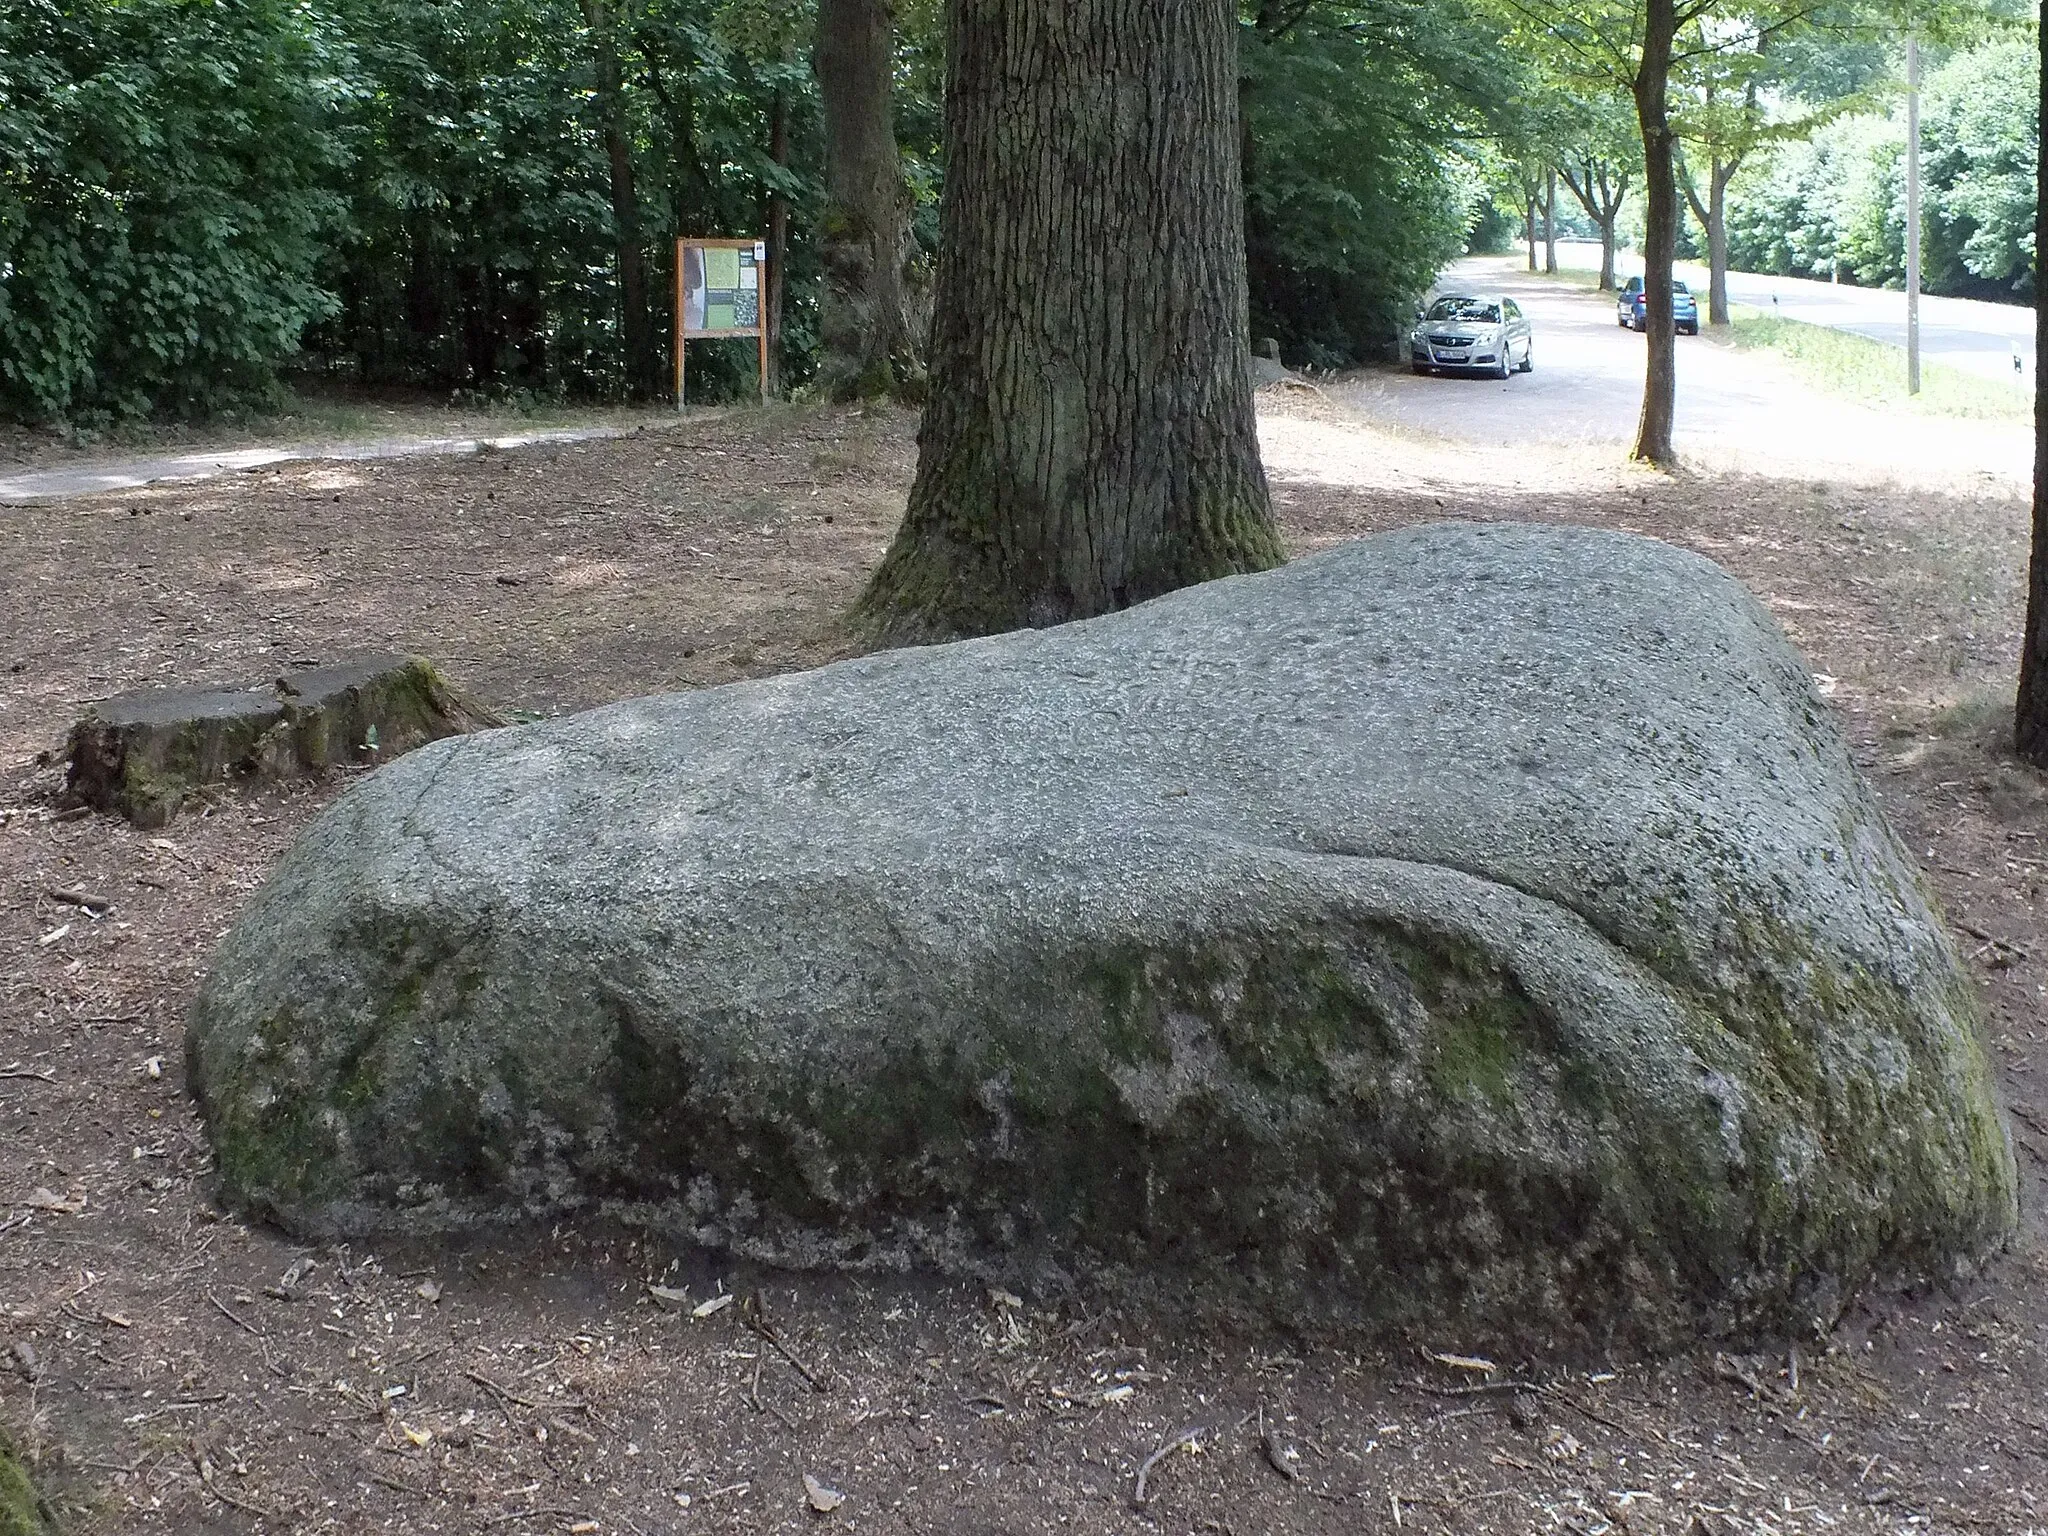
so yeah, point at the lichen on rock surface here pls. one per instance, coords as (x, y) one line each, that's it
(1473, 926)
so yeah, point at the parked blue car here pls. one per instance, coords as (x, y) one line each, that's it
(1685, 309)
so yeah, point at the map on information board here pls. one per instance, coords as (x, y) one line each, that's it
(721, 289)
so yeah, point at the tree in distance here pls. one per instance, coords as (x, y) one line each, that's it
(2030, 711)
(870, 341)
(1640, 47)
(1598, 164)
(1088, 440)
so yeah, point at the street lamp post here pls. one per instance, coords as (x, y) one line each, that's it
(1912, 216)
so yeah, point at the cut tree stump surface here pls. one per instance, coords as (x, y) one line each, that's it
(144, 754)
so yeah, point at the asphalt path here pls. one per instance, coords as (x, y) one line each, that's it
(85, 479)
(1739, 408)
(1968, 334)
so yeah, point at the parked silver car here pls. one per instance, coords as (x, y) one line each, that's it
(1462, 333)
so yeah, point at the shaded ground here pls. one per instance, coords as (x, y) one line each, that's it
(167, 1377)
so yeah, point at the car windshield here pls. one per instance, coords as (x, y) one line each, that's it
(1465, 309)
(1678, 288)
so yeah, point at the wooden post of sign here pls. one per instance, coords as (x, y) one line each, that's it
(727, 300)
(761, 261)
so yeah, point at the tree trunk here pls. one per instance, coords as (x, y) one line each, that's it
(636, 320)
(1550, 221)
(1713, 218)
(1529, 204)
(778, 241)
(1089, 440)
(2030, 714)
(1603, 206)
(1651, 88)
(869, 347)
(1719, 176)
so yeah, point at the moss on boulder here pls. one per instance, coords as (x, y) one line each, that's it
(1480, 928)
(22, 1511)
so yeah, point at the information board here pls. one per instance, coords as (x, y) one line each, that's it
(720, 289)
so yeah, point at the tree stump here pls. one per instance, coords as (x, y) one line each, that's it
(144, 754)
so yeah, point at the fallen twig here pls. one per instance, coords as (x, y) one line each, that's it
(1994, 940)
(391, 1482)
(1186, 1437)
(756, 1320)
(1573, 1403)
(16, 1070)
(503, 1395)
(240, 1322)
(1476, 1389)
(90, 901)
(212, 1486)
(528, 1514)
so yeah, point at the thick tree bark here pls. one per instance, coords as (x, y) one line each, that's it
(1651, 89)
(870, 345)
(1089, 440)
(2030, 716)
(636, 320)
(1550, 221)
(1529, 207)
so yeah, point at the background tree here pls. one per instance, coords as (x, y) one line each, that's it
(1726, 124)
(872, 343)
(1598, 168)
(1088, 441)
(636, 323)
(1635, 45)
(488, 237)
(2030, 710)
(1550, 219)
(1726, 118)
(1365, 127)
(1825, 194)
(168, 194)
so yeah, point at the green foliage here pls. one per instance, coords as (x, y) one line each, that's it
(1356, 190)
(166, 173)
(22, 1512)
(1839, 199)
(485, 239)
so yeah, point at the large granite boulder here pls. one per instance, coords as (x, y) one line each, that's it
(1475, 925)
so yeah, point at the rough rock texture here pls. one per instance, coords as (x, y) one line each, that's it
(1474, 925)
(142, 754)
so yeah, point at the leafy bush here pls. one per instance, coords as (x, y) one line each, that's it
(1354, 199)
(166, 174)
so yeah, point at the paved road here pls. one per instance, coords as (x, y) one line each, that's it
(125, 474)
(1960, 333)
(1740, 408)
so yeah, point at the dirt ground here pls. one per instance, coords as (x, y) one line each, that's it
(170, 1369)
